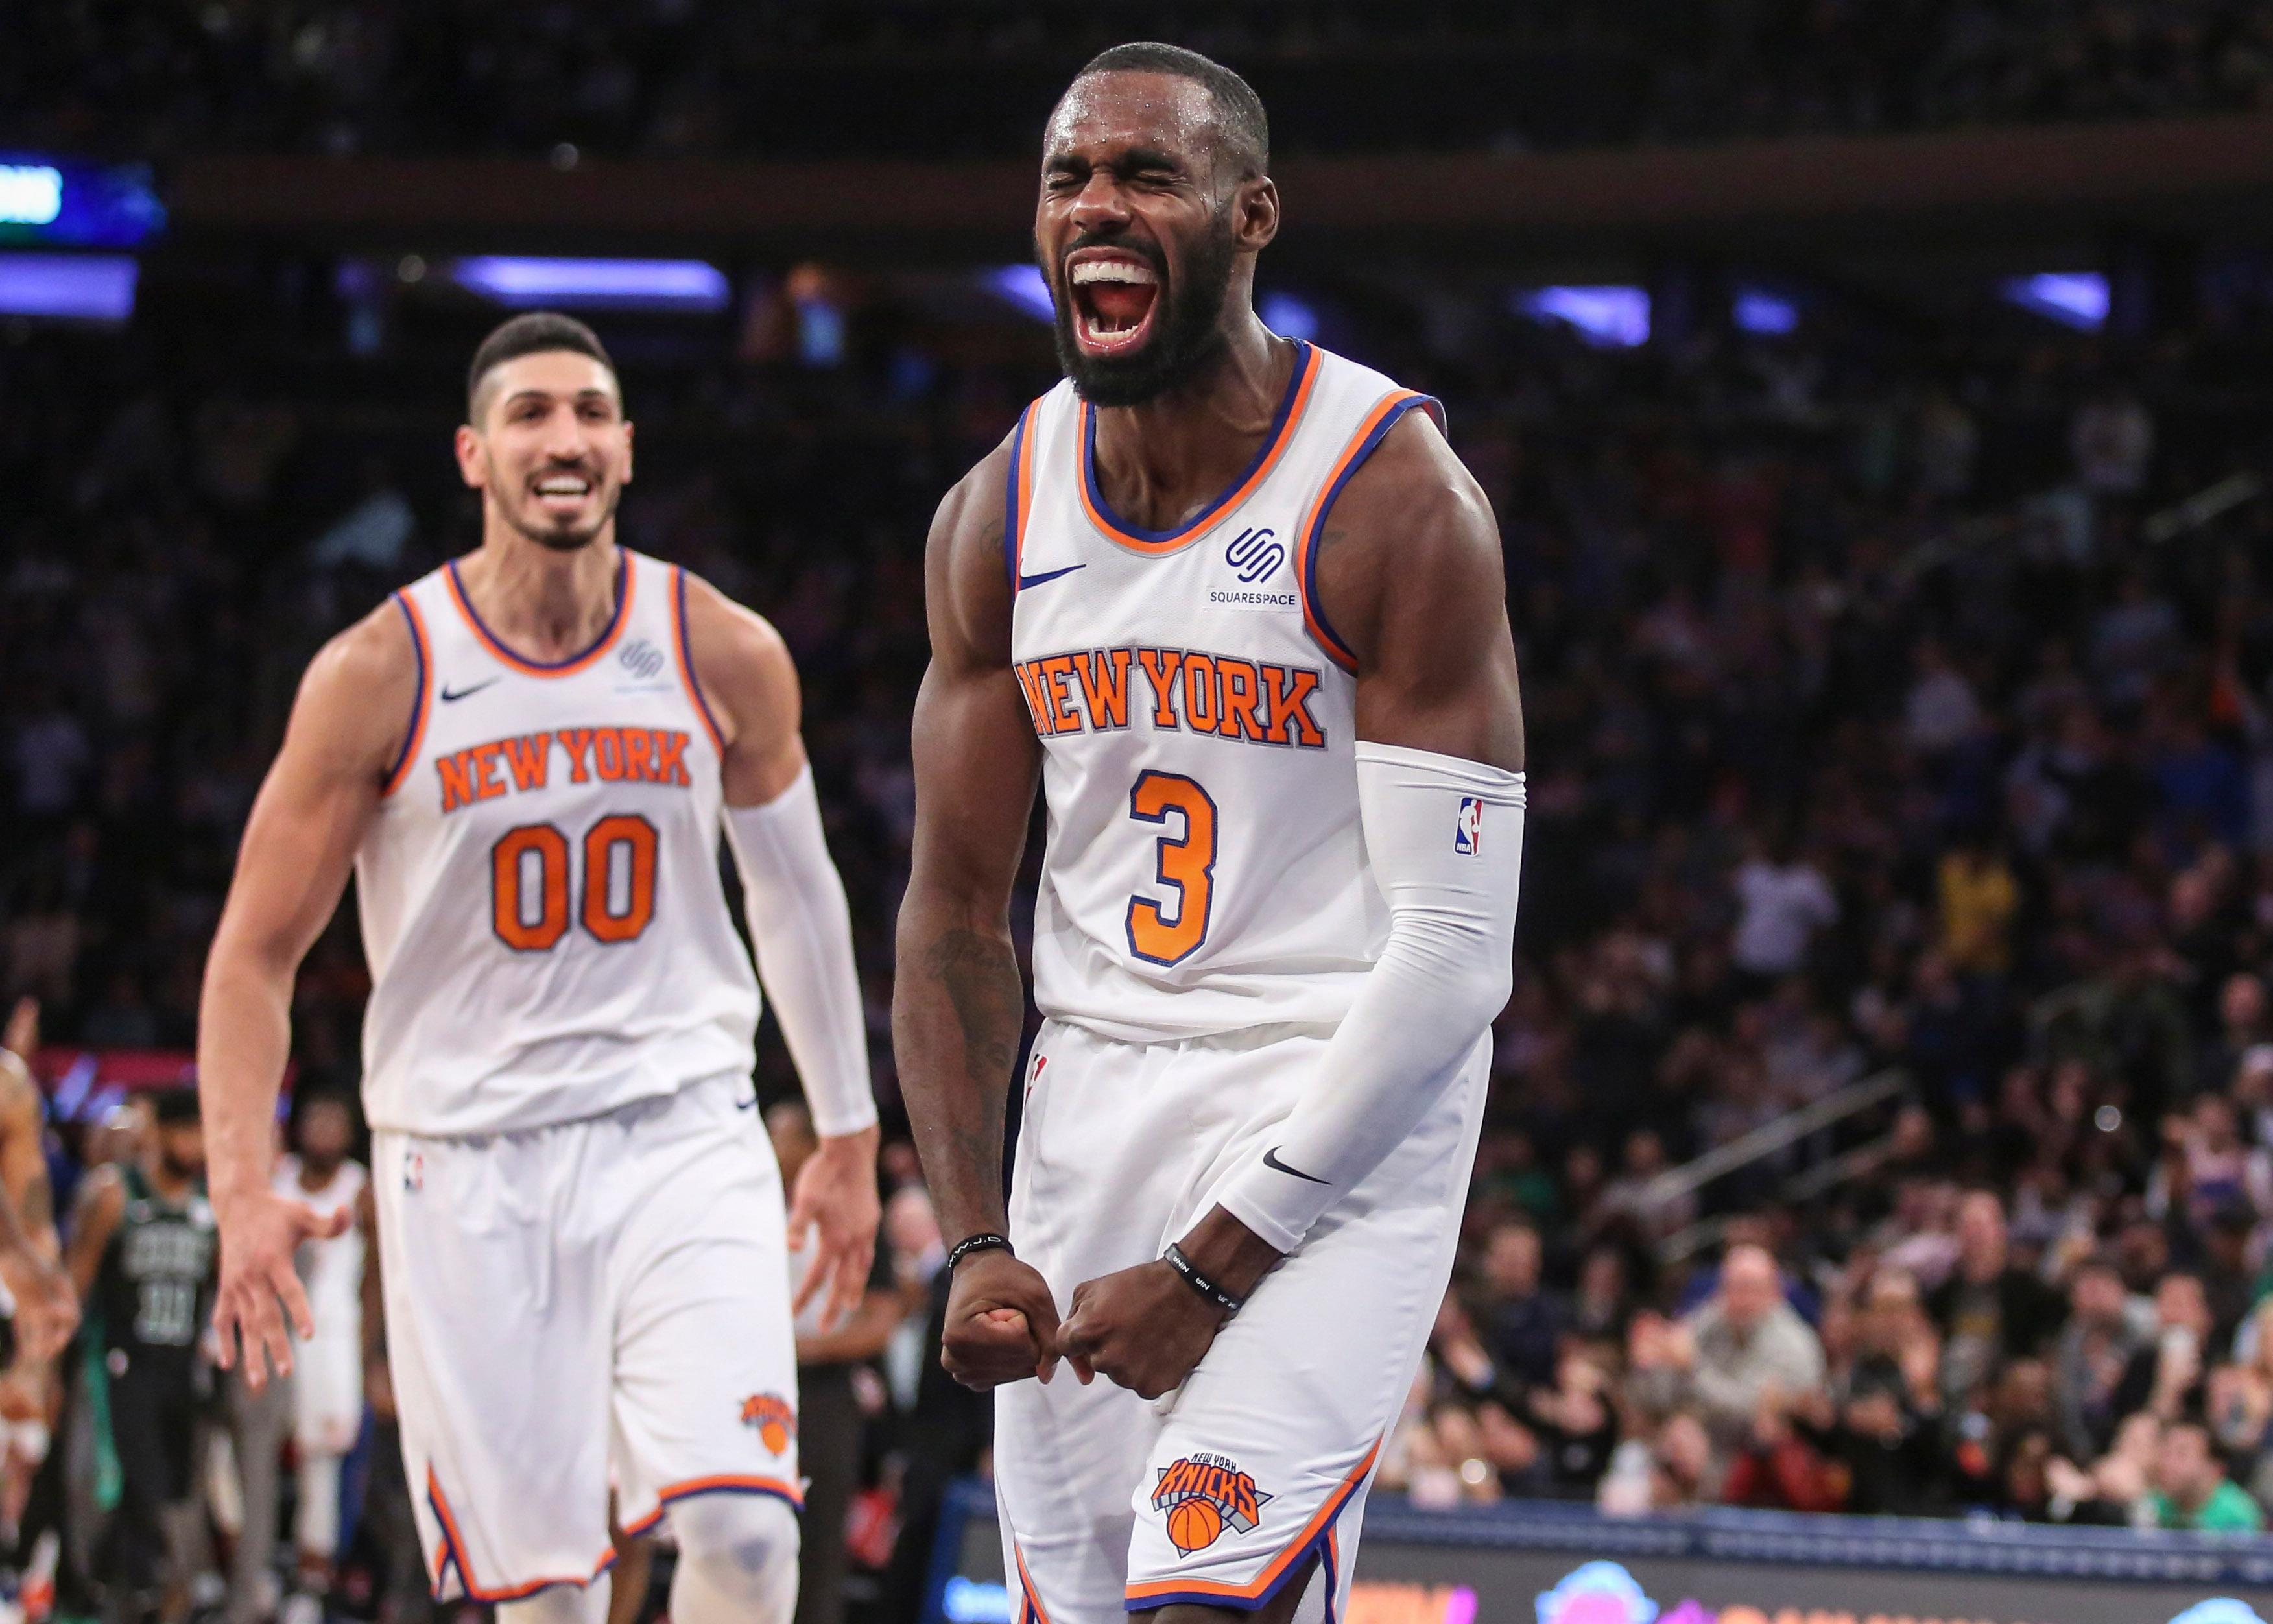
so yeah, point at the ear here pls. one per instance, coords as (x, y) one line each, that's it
(627, 451)
(1255, 214)
(472, 466)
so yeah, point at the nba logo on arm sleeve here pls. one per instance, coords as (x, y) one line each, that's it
(1468, 830)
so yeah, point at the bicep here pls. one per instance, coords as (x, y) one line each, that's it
(1411, 568)
(977, 760)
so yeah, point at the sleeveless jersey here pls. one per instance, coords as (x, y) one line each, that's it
(540, 894)
(150, 1294)
(1204, 871)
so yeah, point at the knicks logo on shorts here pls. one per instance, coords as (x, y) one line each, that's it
(776, 1421)
(1201, 1494)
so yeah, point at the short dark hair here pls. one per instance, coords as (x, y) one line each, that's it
(531, 333)
(1238, 109)
(173, 1105)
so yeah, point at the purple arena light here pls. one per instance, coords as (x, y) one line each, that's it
(1021, 285)
(2074, 299)
(526, 281)
(68, 287)
(1608, 315)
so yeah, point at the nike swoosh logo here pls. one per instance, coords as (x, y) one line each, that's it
(1271, 1160)
(749, 1104)
(449, 696)
(1048, 575)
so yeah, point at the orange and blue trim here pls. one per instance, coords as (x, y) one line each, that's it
(1317, 1537)
(1370, 434)
(684, 650)
(453, 1555)
(416, 733)
(1300, 385)
(1030, 1610)
(625, 578)
(1018, 491)
(725, 1483)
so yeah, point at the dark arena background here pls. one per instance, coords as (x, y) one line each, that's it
(1876, 402)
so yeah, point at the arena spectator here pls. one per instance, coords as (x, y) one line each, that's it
(2192, 1490)
(1744, 1346)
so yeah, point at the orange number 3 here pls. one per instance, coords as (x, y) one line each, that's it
(1186, 865)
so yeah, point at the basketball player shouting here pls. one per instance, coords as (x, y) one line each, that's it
(528, 757)
(1238, 606)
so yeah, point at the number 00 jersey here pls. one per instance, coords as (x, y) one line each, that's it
(1205, 872)
(541, 903)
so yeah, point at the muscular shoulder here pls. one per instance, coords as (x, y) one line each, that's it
(1410, 574)
(965, 583)
(359, 695)
(739, 658)
(102, 1198)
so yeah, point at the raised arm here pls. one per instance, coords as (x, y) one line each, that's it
(1410, 576)
(801, 930)
(959, 1005)
(47, 1311)
(347, 729)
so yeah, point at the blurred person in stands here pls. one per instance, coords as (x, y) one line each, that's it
(831, 1425)
(46, 1306)
(2192, 1490)
(142, 1254)
(2106, 1328)
(1783, 901)
(2167, 1377)
(1744, 1343)
(1990, 1309)
(2240, 1397)
(1523, 1322)
(327, 1383)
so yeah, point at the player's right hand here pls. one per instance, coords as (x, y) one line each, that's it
(1001, 1322)
(260, 1235)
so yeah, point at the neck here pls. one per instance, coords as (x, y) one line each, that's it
(170, 1183)
(1162, 462)
(544, 604)
(314, 1175)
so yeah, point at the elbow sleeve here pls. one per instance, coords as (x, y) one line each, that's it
(1444, 840)
(801, 930)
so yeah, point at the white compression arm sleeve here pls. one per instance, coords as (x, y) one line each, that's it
(803, 934)
(1444, 837)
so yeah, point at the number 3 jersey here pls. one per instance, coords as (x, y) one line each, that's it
(540, 894)
(1205, 872)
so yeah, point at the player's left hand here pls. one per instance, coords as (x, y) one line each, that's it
(833, 1222)
(1142, 1328)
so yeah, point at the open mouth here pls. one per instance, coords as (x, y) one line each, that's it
(563, 492)
(1114, 294)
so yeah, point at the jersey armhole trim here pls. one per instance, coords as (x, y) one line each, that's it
(1018, 492)
(685, 650)
(1370, 434)
(420, 706)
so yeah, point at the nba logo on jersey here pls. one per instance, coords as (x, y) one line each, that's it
(1468, 831)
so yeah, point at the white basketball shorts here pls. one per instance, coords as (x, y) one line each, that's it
(1221, 1492)
(605, 1294)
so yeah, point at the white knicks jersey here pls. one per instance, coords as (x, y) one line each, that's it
(540, 894)
(1205, 872)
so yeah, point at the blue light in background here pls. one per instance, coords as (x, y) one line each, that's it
(1289, 316)
(2074, 299)
(686, 285)
(1605, 314)
(973, 1601)
(68, 287)
(60, 201)
(1771, 315)
(820, 333)
(1021, 285)
(31, 195)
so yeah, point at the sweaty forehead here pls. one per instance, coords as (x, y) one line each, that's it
(1105, 113)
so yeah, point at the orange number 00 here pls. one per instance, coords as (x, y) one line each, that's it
(1186, 864)
(529, 882)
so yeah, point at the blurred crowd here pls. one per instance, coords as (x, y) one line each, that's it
(675, 78)
(1899, 732)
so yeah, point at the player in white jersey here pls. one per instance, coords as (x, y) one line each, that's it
(1235, 604)
(327, 1385)
(529, 758)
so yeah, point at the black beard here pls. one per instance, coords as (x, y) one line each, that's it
(1188, 338)
(569, 541)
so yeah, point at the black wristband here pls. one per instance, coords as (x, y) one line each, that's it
(969, 1244)
(1190, 1275)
